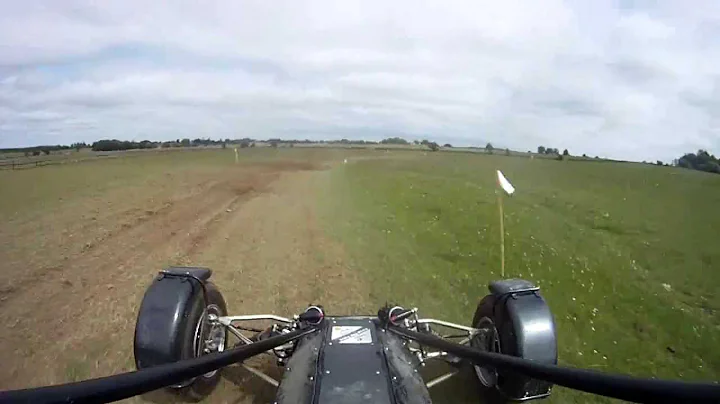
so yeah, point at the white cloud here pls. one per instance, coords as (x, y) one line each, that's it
(637, 82)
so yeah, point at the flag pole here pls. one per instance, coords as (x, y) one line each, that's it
(504, 186)
(502, 234)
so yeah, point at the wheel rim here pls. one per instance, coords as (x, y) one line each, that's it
(487, 340)
(209, 335)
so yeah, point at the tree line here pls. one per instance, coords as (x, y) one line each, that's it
(701, 161)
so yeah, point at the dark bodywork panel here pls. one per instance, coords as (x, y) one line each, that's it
(298, 382)
(163, 315)
(408, 386)
(352, 360)
(527, 330)
(534, 331)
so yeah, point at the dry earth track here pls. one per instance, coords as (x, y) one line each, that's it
(69, 313)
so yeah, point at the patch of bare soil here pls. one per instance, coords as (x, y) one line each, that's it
(69, 314)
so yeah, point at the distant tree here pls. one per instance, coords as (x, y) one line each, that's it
(185, 143)
(244, 144)
(36, 152)
(224, 145)
(46, 151)
(433, 146)
(448, 145)
(584, 155)
(507, 152)
(394, 140)
(424, 142)
(252, 144)
(78, 146)
(659, 163)
(489, 148)
(274, 144)
(566, 152)
(415, 142)
(541, 149)
(597, 158)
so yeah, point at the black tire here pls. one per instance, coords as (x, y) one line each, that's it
(201, 386)
(485, 319)
(490, 316)
(173, 325)
(498, 315)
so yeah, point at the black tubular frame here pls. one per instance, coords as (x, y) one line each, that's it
(118, 387)
(616, 386)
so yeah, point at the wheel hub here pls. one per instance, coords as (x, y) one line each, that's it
(487, 339)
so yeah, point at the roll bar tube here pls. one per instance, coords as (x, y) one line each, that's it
(118, 387)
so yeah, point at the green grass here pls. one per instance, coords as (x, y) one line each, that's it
(600, 240)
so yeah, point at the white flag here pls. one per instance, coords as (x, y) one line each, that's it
(504, 183)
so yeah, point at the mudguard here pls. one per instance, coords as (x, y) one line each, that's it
(527, 330)
(168, 305)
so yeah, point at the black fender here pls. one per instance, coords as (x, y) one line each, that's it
(167, 307)
(526, 329)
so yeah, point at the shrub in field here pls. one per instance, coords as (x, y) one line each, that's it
(489, 148)
(433, 146)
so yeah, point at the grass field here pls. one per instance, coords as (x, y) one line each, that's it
(625, 253)
(600, 239)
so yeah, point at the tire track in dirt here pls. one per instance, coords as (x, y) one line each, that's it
(271, 256)
(257, 228)
(88, 294)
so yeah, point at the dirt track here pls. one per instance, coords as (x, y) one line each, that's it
(69, 313)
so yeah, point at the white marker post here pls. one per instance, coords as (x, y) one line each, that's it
(236, 155)
(509, 189)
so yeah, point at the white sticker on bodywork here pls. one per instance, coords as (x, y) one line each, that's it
(351, 334)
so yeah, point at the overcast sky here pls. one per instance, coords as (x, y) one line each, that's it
(629, 79)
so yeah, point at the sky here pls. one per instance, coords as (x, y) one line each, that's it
(637, 80)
